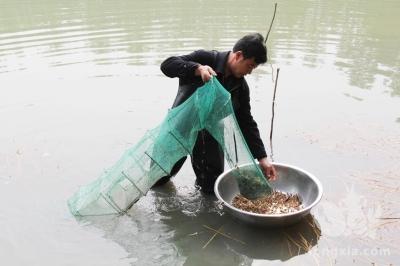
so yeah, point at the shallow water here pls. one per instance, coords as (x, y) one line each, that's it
(80, 83)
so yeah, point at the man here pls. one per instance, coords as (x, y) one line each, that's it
(229, 68)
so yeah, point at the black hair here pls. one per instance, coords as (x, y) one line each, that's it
(252, 45)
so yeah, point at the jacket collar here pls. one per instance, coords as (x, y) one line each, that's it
(222, 58)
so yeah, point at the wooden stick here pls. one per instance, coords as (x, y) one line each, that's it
(270, 26)
(290, 250)
(273, 115)
(236, 154)
(223, 234)
(209, 241)
(215, 234)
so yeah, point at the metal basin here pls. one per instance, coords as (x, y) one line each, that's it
(290, 180)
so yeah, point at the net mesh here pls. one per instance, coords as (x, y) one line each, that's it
(153, 157)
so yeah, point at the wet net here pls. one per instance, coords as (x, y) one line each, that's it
(153, 157)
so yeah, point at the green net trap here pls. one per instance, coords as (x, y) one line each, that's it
(153, 157)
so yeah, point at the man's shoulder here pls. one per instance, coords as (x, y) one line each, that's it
(211, 54)
(206, 51)
(205, 57)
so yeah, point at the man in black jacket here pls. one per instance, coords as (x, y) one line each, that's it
(230, 68)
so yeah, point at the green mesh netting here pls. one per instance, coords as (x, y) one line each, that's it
(156, 153)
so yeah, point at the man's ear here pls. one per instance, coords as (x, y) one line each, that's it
(238, 55)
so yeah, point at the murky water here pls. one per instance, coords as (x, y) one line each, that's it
(80, 83)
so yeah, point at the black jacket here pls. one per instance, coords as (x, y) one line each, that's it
(184, 68)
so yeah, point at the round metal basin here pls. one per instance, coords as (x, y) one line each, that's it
(290, 180)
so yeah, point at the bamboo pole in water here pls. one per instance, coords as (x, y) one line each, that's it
(273, 115)
(270, 26)
(276, 83)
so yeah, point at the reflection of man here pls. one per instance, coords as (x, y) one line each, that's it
(236, 243)
(230, 68)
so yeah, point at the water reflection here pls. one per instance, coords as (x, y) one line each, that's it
(181, 229)
(352, 36)
(205, 235)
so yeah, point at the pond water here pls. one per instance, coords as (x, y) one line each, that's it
(80, 83)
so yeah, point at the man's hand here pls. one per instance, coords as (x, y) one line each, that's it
(268, 169)
(205, 72)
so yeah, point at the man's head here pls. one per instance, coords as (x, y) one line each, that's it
(247, 54)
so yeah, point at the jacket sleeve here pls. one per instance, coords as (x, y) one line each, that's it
(184, 66)
(248, 125)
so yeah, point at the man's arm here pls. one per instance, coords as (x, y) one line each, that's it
(252, 134)
(190, 65)
(248, 125)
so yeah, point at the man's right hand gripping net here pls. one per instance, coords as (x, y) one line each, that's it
(156, 153)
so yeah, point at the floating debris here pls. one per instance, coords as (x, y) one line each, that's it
(275, 203)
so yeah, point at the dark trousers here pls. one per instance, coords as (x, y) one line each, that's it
(207, 162)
